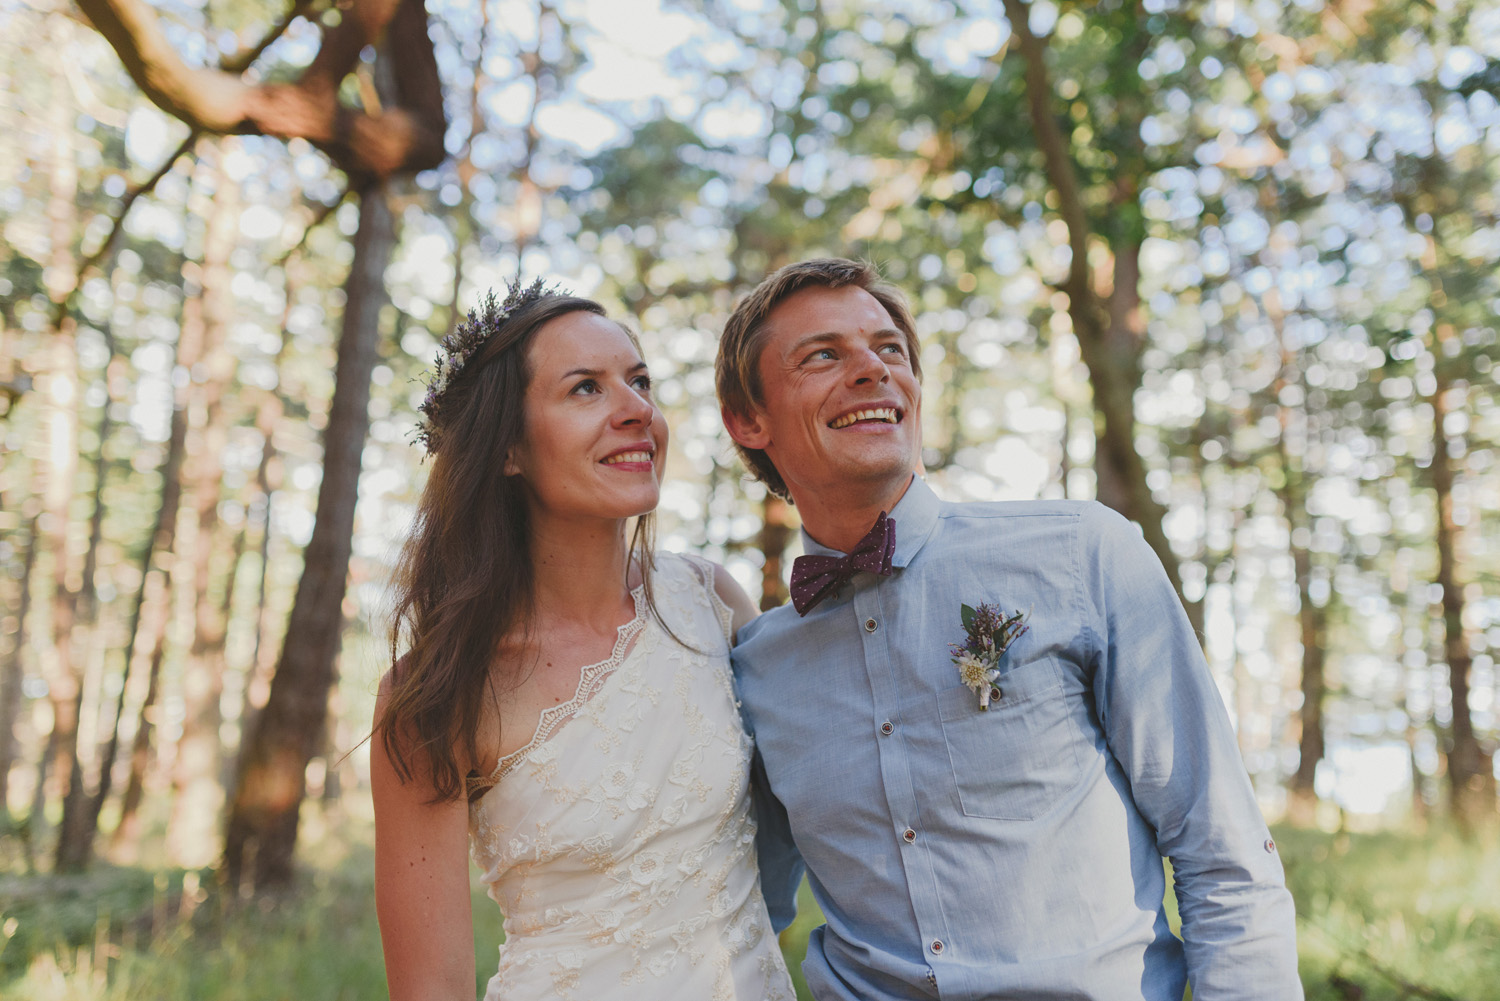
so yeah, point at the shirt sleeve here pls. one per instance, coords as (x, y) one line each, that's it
(1166, 725)
(781, 865)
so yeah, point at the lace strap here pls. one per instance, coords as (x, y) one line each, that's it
(704, 571)
(590, 679)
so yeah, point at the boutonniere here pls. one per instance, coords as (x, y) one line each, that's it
(990, 634)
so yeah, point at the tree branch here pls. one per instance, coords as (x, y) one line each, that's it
(1054, 146)
(245, 58)
(210, 100)
(145, 187)
(408, 137)
(324, 211)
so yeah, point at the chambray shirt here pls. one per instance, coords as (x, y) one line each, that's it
(1013, 853)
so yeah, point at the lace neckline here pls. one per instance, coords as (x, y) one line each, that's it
(590, 679)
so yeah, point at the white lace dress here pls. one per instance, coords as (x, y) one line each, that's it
(619, 842)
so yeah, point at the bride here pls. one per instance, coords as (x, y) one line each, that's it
(563, 703)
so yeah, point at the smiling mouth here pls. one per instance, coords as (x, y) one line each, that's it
(875, 415)
(629, 457)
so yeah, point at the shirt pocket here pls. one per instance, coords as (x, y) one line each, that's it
(1014, 761)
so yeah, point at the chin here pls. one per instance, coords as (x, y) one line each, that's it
(640, 505)
(877, 463)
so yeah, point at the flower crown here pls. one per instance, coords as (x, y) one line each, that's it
(464, 343)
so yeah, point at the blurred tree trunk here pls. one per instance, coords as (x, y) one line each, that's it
(153, 604)
(1414, 729)
(62, 394)
(267, 482)
(1291, 490)
(268, 416)
(148, 634)
(1115, 349)
(272, 775)
(75, 835)
(398, 128)
(11, 674)
(166, 515)
(224, 759)
(775, 535)
(1438, 194)
(1245, 704)
(1471, 777)
(1109, 327)
(197, 797)
(1312, 632)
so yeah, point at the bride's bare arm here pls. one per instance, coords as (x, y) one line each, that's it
(421, 883)
(735, 597)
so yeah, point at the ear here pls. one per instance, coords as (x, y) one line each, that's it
(748, 430)
(512, 464)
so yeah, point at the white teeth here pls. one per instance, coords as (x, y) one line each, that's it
(628, 457)
(887, 414)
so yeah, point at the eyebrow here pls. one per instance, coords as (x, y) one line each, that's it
(594, 373)
(829, 336)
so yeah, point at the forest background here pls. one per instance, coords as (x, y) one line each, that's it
(1230, 267)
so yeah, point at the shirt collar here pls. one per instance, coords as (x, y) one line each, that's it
(915, 515)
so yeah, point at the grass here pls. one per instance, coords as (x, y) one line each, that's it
(1381, 917)
(135, 934)
(1396, 915)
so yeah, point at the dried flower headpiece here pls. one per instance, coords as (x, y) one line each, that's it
(464, 343)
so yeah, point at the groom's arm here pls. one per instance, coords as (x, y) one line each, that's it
(1166, 724)
(781, 865)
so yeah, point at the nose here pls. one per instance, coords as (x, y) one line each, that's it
(867, 367)
(634, 410)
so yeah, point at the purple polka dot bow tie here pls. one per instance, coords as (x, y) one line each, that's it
(816, 577)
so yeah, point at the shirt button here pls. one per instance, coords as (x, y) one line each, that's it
(887, 728)
(908, 835)
(1270, 845)
(871, 625)
(936, 947)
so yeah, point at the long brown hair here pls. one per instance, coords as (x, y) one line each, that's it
(464, 579)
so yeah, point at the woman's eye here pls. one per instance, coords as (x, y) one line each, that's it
(642, 383)
(585, 387)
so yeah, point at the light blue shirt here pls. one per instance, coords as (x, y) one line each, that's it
(1013, 853)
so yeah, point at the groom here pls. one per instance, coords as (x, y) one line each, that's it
(1012, 850)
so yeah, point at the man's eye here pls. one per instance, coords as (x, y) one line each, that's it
(822, 354)
(893, 348)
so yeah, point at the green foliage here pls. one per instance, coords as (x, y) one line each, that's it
(123, 934)
(1374, 912)
(794, 938)
(1381, 910)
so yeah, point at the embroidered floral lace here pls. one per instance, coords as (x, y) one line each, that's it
(618, 842)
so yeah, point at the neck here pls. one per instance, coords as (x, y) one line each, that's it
(839, 520)
(579, 571)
